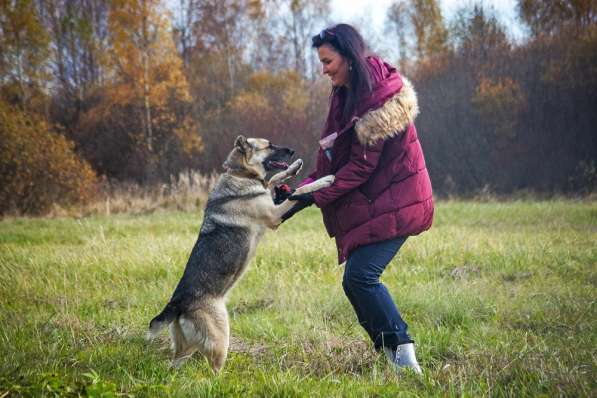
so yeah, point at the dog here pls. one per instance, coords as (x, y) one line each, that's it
(239, 210)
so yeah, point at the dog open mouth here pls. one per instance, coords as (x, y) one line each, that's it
(277, 164)
(278, 158)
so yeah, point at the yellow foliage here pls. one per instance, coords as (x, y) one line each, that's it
(266, 82)
(37, 166)
(296, 100)
(144, 54)
(249, 103)
(283, 93)
(500, 103)
(270, 106)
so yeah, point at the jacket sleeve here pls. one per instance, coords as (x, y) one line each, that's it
(363, 161)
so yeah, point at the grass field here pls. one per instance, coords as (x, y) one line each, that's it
(500, 299)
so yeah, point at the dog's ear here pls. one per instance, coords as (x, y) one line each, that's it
(242, 144)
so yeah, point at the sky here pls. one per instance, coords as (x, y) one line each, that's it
(375, 11)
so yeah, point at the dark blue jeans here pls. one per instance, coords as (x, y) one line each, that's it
(370, 299)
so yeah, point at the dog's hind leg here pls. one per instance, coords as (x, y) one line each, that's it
(221, 348)
(205, 329)
(217, 333)
(182, 347)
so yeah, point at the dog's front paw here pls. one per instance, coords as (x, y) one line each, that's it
(295, 167)
(316, 185)
(327, 181)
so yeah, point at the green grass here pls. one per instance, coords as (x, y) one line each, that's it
(500, 298)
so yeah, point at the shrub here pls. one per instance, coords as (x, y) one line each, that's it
(38, 167)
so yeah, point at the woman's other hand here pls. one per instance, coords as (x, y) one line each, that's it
(302, 200)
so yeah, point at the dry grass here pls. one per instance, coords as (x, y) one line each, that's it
(185, 192)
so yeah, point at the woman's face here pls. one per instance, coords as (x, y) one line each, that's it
(334, 65)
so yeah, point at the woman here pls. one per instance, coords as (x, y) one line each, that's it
(382, 192)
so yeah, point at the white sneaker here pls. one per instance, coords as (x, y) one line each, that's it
(403, 357)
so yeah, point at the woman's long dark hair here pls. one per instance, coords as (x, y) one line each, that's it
(349, 43)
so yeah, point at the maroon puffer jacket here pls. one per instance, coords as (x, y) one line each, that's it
(382, 189)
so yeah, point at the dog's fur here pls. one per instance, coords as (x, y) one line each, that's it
(238, 210)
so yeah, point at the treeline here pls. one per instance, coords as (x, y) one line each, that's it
(96, 91)
(507, 117)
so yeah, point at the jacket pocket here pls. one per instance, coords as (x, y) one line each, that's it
(353, 211)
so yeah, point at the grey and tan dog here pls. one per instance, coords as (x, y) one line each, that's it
(238, 211)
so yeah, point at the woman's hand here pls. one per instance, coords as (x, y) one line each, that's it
(302, 200)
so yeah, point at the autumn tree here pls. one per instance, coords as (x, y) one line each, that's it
(182, 27)
(398, 26)
(264, 44)
(132, 85)
(457, 96)
(79, 40)
(38, 165)
(213, 27)
(430, 32)
(140, 124)
(24, 53)
(557, 70)
(305, 18)
(550, 17)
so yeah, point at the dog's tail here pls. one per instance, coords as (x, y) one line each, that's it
(168, 314)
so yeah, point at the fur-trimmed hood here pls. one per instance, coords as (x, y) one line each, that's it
(391, 118)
